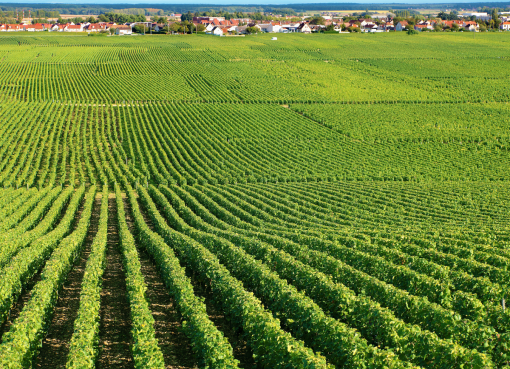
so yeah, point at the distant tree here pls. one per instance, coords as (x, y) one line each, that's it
(317, 21)
(251, 30)
(448, 16)
(330, 27)
(103, 18)
(140, 28)
(412, 31)
(495, 14)
(495, 18)
(175, 27)
(455, 27)
(437, 27)
(187, 17)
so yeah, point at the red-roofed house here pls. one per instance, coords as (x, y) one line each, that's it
(34, 27)
(15, 27)
(95, 27)
(3, 27)
(471, 26)
(74, 28)
(401, 25)
(421, 27)
(505, 26)
(452, 22)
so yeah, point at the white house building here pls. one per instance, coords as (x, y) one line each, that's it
(123, 30)
(216, 31)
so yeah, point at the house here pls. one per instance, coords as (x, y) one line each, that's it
(123, 30)
(471, 26)
(451, 23)
(401, 25)
(317, 28)
(388, 26)
(304, 28)
(364, 22)
(369, 27)
(427, 24)
(74, 28)
(505, 26)
(216, 31)
(159, 27)
(15, 27)
(273, 27)
(34, 27)
(95, 27)
(420, 27)
(241, 29)
(257, 26)
(3, 27)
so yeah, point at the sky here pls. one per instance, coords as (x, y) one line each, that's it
(234, 2)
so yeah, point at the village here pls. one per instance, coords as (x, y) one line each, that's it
(219, 26)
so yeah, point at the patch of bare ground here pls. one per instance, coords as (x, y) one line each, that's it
(242, 351)
(115, 324)
(55, 346)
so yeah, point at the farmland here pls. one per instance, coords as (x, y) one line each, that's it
(317, 201)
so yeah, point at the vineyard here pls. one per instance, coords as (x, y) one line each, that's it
(319, 201)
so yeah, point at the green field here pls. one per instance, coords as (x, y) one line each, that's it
(317, 201)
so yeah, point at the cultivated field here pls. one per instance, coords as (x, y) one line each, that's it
(317, 201)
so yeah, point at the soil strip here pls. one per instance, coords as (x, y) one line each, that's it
(115, 324)
(55, 346)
